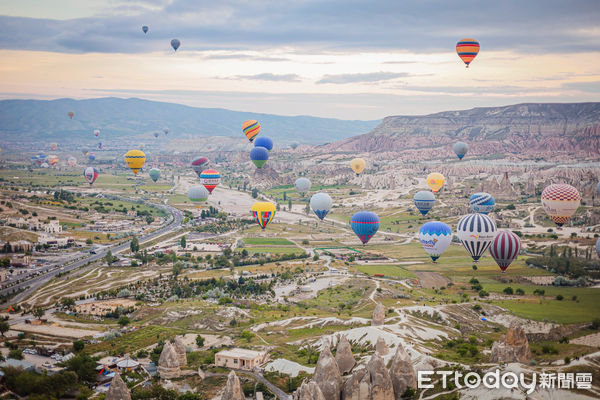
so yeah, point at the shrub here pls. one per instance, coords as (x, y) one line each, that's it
(483, 293)
(508, 290)
(520, 291)
(559, 297)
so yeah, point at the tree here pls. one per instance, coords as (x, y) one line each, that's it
(508, 290)
(199, 341)
(183, 242)
(67, 302)
(316, 257)
(134, 246)
(149, 219)
(15, 354)
(177, 268)
(247, 335)
(124, 320)
(290, 205)
(4, 327)
(89, 241)
(84, 366)
(254, 193)
(109, 258)
(38, 312)
(78, 345)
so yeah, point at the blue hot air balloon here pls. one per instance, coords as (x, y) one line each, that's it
(460, 148)
(435, 237)
(482, 203)
(259, 156)
(175, 43)
(91, 156)
(424, 201)
(365, 224)
(145, 29)
(265, 142)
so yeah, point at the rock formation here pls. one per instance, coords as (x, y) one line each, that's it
(309, 390)
(343, 356)
(327, 375)
(381, 347)
(353, 389)
(118, 389)
(168, 363)
(180, 349)
(402, 372)
(233, 388)
(512, 347)
(378, 315)
(381, 383)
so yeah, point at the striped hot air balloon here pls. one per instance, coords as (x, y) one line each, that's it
(263, 213)
(476, 232)
(424, 201)
(482, 202)
(467, 50)
(435, 237)
(560, 201)
(198, 165)
(210, 178)
(52, 160)
(135, 160)
(505, 248)
(365, 225)
(251, 128)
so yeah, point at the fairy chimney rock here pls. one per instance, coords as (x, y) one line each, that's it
(181, 353)
(381, 347)
(343, 356)
(402, 372)
(378, 315)
(327, 375)
(512, 347)
(353, 389)
(309, 390)
(381, 383)
(168, 363)
(118, 389)
(233, 388)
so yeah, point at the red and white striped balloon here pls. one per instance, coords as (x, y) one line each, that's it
(505, 248)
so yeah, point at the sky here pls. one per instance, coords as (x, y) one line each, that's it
(329, 58)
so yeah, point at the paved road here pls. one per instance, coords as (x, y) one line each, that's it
(37, 281)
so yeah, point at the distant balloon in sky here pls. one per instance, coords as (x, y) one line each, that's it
(90, 174)
(321, 204)
(476, 232)
(435, 237)
(365, 224)
(358, 165)
(198, 165)
(263, 213)
(460, 148)
(91, 156)
(435, 180)
(424, 201)
(135, 160)
(302, 185)
(96, 132)
(53, 146)
(154, 174)
(156, 134)
(505, 248)
(85, 152)
(71, 114)
(166, 131)
(251, 128)
(210, 178)
(100, 145)
(482, 202)
(293, 145)
(145, 29)
(175, 43)
(259, 156)
(560, 201)
(467, 50)
(265, 142)
(198, 194)
(71, 161)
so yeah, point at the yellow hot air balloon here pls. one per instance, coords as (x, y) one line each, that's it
(358, 165)
(135, 160)
(435, 180)
(263, 213)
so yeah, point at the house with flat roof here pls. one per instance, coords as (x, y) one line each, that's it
(240, 358)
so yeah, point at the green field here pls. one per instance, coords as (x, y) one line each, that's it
(274, 250)
(268, 242)
(392, 271)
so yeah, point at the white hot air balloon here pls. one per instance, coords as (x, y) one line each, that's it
(321, 204)
(302, 185)
(476, 232)
(435, 237)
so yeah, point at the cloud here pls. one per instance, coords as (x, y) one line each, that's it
(242, 56)
(271, 77)
(365, 77)
(588, 87)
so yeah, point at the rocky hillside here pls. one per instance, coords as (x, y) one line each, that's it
(518, 129)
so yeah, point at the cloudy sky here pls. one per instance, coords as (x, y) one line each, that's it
(333, 58)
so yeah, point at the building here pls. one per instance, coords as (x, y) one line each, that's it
(55, 242)
(127, 365)
(240, 358)
(53, 227)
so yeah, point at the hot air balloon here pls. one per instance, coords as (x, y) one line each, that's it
(166, 131)
(424, 201)
(154, 174)
(259, 156)
(598, 247)
(210, 178)
(91, 156)
(198, 165)
(100, 145)
(96, 132)
(53, 146)
(156, 134)
(435, 180)
(44, 165)
(365, 224)
(476, 232)
(263, 213)
(560, 202)
(198, 194)
(34, 160)
(72, 161)
(71, 114)
(321, 204)
(460, 148)
(90, 174)
(435, 237)
(251, 128)
(302, 185)
(358, 165)
(482, 203)
(175, 43)
(505, 248)
(84, 152)
(294, 145)
(467, 50)
(52, 160)
(145, 29)
(265, 142)
(142, 146)
(135, 160)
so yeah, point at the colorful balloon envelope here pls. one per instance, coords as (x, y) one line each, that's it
(476, 232)
(302, 185)
(166, 130)
(175, 43)
(259, 156)
(424, 201)
(71, 114)
(198, 194)
(72, 161)
(505, 248)
(482, 202)
(435, 237)
(435, 181)
(100, 145)
(91, 156)
(90, 174)
(467, 50)
(52, 160)
(198, 165)
(560, 201)
(53, 146)
(265, 142)
(135, 160)
(263, 213)
(154, 174)
(145, 29)
(210, 178)
(365, 224)
(321, 204)
(251, 128)
(97, 132)
(85, 152)
(461, 149)
(358, 165)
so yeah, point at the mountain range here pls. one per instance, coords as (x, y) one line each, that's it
(138, 119)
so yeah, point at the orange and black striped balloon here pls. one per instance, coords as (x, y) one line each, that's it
(467, 50)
